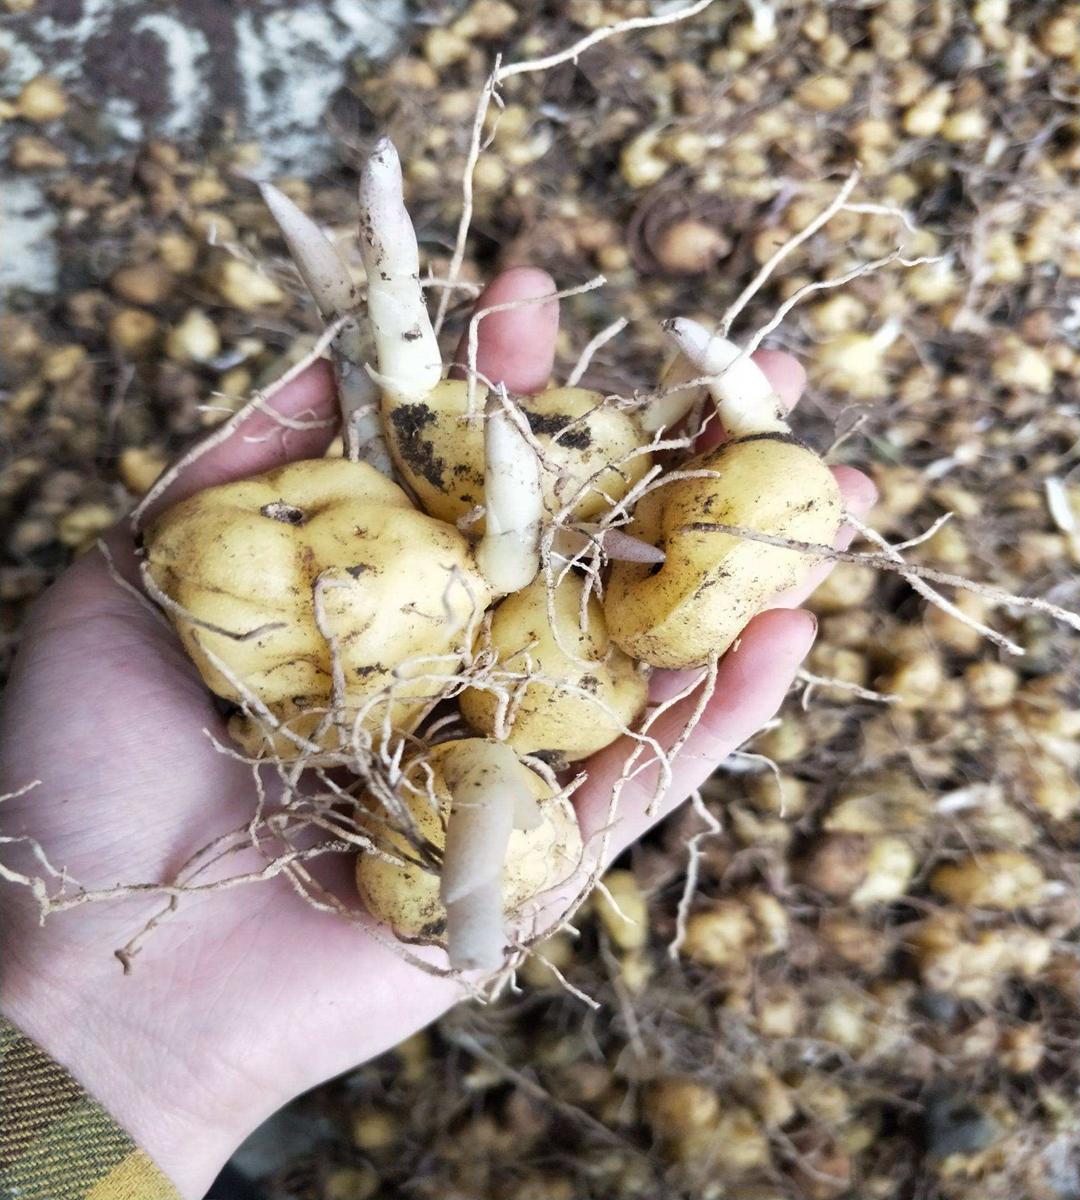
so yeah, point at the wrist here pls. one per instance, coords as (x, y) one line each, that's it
(121, 1039)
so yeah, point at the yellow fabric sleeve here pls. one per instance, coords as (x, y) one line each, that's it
(56, 1142)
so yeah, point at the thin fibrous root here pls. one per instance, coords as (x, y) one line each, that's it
(601, 838)
(781, 252)
(693, 868)
(924, 589)
(812, 681)
(836, 281)
(602, 338)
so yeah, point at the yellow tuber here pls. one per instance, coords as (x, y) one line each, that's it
(693, 606)
(248, 566)
(1004, 879)
(440, 451)
(499, 834)
(586, 691)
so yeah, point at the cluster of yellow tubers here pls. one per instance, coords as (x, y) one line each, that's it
(335, 609)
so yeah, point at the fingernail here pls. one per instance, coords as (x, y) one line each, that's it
(811, 623)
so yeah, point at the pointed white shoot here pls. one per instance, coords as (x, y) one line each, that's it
(669, 408)
(327, 277)
(405, 344)
(509, 553)
(572, 541)
(490, 796)
(744, 397)
(322, 267)
(621, 547)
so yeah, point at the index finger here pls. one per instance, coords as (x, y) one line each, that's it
(516, 346)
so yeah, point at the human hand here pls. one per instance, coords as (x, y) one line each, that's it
(247, 998)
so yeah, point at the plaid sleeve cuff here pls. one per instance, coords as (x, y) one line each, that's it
(56, 1143)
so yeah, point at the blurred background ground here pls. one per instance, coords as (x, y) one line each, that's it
(877, 994)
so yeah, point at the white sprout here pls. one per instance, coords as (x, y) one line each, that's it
(405, 345)
(490, 796)
(327, 277)
(673, 402)
(744, 398)
(317, 259)
(509, 553)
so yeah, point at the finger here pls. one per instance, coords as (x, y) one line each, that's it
(788, 379)
(786, 374)
(860, 496)
(307, 408)
(516, 346)
(752, 680)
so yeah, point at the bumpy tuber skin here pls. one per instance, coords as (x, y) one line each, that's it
(691, 608)
(246, 556)
(440, 453)
(586, 704)
(503, 838)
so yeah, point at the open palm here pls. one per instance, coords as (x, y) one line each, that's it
(245, 998)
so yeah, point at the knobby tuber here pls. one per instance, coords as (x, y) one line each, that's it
(243, 564)
(579, 692)
(503, 837)
(691, 607)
